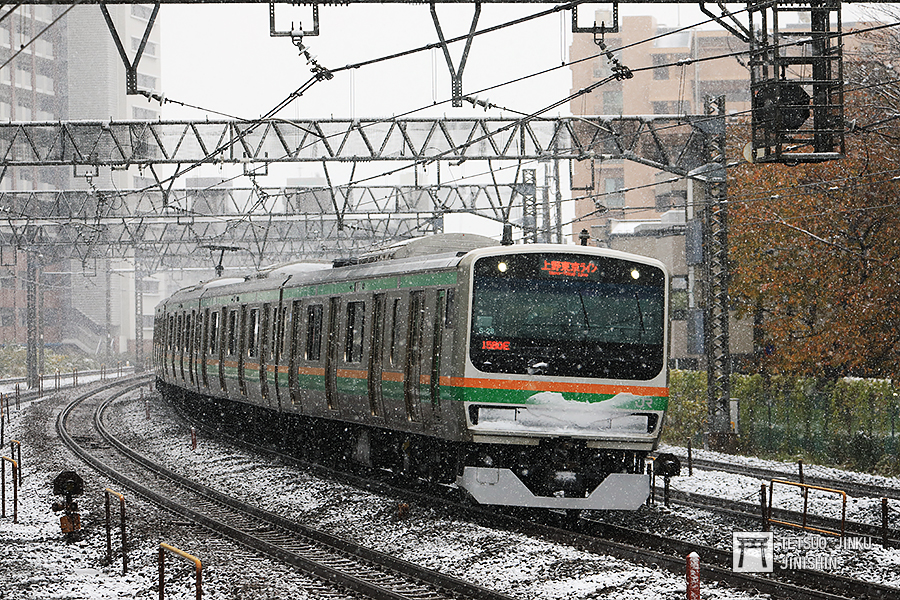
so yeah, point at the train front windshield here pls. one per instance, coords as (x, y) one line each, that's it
(569, 315)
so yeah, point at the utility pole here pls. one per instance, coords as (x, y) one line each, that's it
(32, 319)
(138, 315)
(714, 217)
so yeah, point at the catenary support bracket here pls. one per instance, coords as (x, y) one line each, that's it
(131, 87)
(456, 73)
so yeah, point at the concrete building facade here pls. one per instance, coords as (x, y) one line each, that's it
(61, 63)
(630, 206)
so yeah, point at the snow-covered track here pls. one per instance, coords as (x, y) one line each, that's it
(753, 512)
(853, 488)
(627, 544)
(342, 563)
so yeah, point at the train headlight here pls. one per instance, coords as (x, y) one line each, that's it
(502, 266)
(635, 274)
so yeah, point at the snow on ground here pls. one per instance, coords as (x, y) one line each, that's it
(35, 561)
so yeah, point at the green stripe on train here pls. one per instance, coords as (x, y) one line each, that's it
(491, 396)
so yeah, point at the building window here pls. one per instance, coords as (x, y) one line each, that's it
(44, 84)
(148, 286)
(43, 13)
(42, 48)
(142, 12)
(672, 199)
(23, 79)
(149, 47)
(614, 197)
(144, 114)
(660, 68)
(147, 82)
(612, 102)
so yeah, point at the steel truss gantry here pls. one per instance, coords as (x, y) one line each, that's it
(669, 142)
(276, 223)
(269, 225)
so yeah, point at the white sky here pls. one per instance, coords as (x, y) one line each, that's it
(221, 57)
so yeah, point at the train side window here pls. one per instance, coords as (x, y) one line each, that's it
(448, 310)
(232, 332)
(356, 316)
(213, 332)
(274, 336)
(314, 332)
(395, 313)
(253, 332)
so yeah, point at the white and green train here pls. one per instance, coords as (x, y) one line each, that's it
(527, 375)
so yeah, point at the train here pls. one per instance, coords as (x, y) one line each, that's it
(529, 375)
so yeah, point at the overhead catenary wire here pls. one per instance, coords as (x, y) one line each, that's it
(572, 62)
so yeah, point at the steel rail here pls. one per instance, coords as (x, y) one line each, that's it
(412, 573)
(851, 487)
(618, 541)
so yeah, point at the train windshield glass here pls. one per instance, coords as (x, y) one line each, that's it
(569, 315)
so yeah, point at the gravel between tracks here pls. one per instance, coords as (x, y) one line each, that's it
(36, 562)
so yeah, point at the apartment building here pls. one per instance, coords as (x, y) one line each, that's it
(61, 63)
(630, 206)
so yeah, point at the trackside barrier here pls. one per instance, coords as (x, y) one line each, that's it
(107, 493)
(4, 403)
(762, 507)
(15, 468)
(805, 487)
(198, 568)
(693, 576)
(15, 451)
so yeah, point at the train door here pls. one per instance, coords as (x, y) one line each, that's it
(249, 371)
(188, 344)
(232, 360)
(196, 348)
(296, 352)
(437, 341)
(218, 337)
(170, 348)
(332, 353)
(264, 343)
(376, 356)
(202, 347)
(412, 378)
(276, 339)
(181, 342)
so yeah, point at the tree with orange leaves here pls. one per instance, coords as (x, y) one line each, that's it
(815, 248)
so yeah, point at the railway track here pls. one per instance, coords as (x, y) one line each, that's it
(752, 512)
(342, 563)
(853, 488)
(622, 542)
